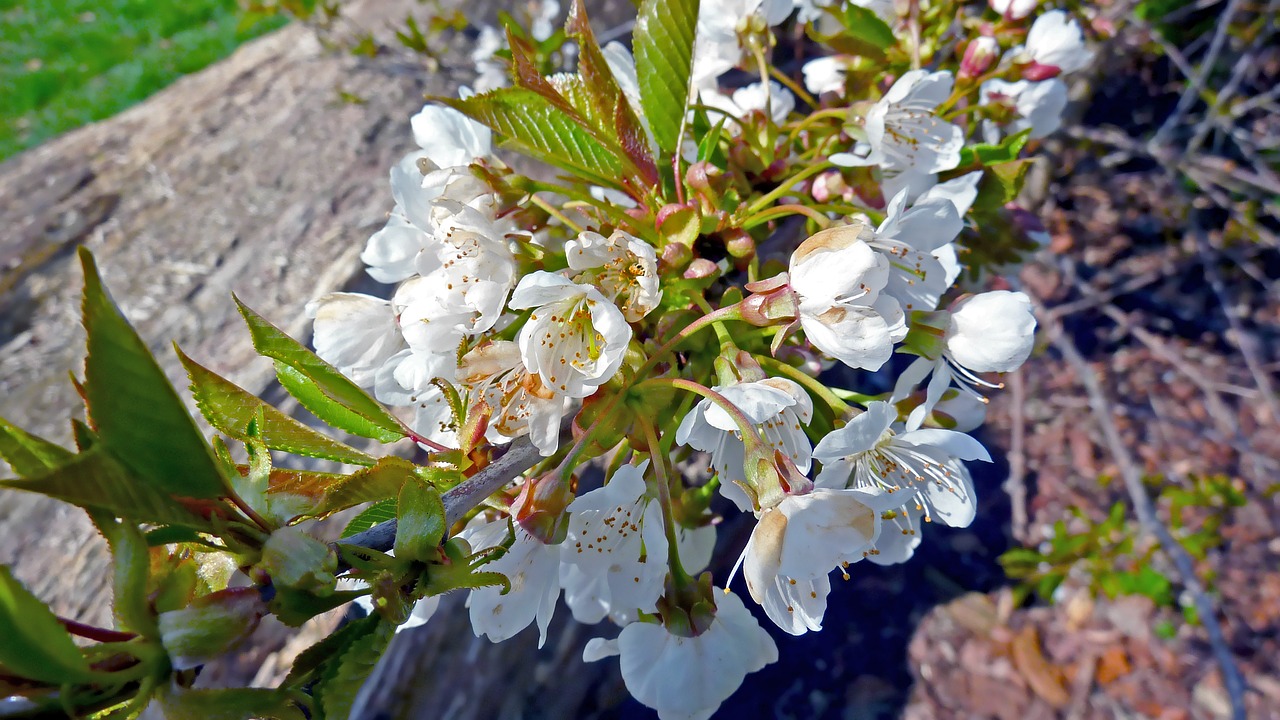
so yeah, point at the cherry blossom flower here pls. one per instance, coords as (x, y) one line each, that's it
(717, 50)
(687, 678)
(826, 74)
(1055, 44)
(575, 338)
(903, 131)
(624, 268)
(797, 543)
(1038, 105)
(614, 559)
(990, 332)
(778, 407)
(844, 309)
(1013, 9)
(776, 102)
(490, 72)
(916, 467)
(355, 333)
(521, 404)
(910, 237)
(450, 138)
(532, 566)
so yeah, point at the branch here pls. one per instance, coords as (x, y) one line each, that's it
(520, 456)
(1101, 408)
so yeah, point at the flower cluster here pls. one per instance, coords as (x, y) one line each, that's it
(816, 226)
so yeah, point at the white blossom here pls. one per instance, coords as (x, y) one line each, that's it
(575, 339)
(533, 568)
(687, 678)
(449, 137)
(773, 100)
(918, 468)
(826, 74)
(903, 130)
(779, 409)
(520, 403)
(623, 267)
(355, 333)
(1056, 41)
(910, 236)
(844, 309)
(1014, 9)
(490, 72)
(797, 543)
(1039, 106)
(614, 559)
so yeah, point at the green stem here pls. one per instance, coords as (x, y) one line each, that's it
(751, 440)
(786, 186)
(725, 313)
(555, 213)
(791, 85)
(838, 406)
(659, 460)
(781, 211)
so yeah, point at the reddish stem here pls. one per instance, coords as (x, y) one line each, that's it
(96, 633)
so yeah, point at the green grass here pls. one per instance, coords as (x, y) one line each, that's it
(65, 63)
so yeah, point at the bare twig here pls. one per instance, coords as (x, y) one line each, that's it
(1102, 412)
(1016, 484)
(1243, 341)
(520, 456)
(1192, 93)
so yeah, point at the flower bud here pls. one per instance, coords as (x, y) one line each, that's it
(829, 186)
(979, 56)
(675, 256)
(772, 302)
(740, 244)
(210, 626)
(540, 508)
(700, 268)
(1036, 72)
(678, 223)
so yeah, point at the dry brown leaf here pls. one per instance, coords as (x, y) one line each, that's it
(1113, 664)
(1043, 676)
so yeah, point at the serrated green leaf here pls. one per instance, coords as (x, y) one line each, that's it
(35, 645)
(328, 650)
(319, 386)
(420, 522)
(136, 412)
(230, 408)
(337, 691)
(532, 124)
(318, 494)
(375, 514)
(28, 454)
(228, 704)
(94, 479)
(663, 40)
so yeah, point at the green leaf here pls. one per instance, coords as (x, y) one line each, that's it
(1006, 150)
(35, 645)
(28, 454)
(420, 521)
(228, 704)
(316, 495)
(136, 412)
(319, 386)
(534, 125)
(375, 514)
(864, 25)
(230, 408)
(663, 40)
(210, 626)
(94, 479)
(337, 691)
(329, 650)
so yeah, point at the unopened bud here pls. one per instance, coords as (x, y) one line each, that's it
(979, 56)
(675, 256)
(540, 507)
(829, 186)
(700, 268)
(772, 303)
(740, 244)
(1035, 72)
